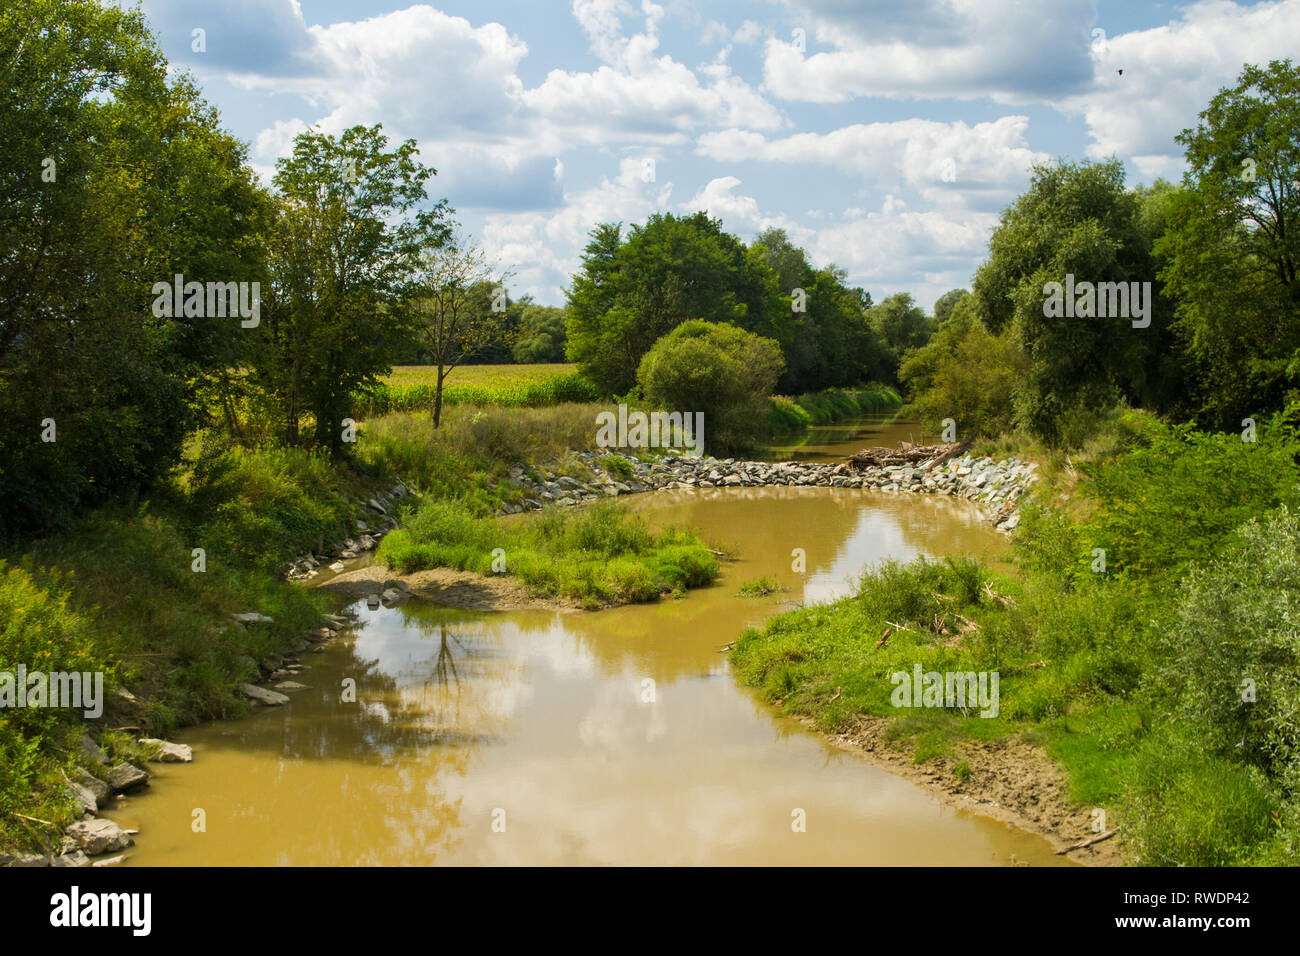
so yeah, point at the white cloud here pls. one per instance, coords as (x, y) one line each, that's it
(740, 214)
(961, 49)
(1170, 74)
(950, 163)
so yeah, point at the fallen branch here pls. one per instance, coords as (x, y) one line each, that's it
(1086, 843)
(884, 637)
(24, 816)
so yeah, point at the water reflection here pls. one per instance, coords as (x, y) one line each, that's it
(597, 738)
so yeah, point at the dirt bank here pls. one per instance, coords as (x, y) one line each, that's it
(1010, 780)
(447, 586)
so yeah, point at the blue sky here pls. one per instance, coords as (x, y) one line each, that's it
(884, 136)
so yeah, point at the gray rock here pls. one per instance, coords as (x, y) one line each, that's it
(98, 836)
(290, 685)
(24, 859)
(71, 858)
(91, 749)
(252, 617)
(101, 791)
(168, 752)
(125, 777)
(84, 797)
(263, 696)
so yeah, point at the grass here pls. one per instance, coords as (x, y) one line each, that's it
(599, 555)
(789, 413)
(412, 388)
(760, 587)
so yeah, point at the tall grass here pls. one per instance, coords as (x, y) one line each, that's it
(829, 406)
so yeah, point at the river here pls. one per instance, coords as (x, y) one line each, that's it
(609, 737)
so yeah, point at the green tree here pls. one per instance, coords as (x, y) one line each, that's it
(967, 374)
(1232, 248)
(630, 293)
(718, 369)
(1076, 220)
(902, 325)
(541, 334)
(115, 178)
(945, 304)
(459, 308)
(344, 249)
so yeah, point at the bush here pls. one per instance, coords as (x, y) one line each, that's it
(720, 370)
(1176, 499)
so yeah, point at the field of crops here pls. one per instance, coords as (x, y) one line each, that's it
(411, 387)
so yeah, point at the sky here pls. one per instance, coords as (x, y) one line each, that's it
(884, 137)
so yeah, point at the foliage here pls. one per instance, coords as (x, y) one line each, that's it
(595, 555)
(1232, 248)
(344, 248)
(719, 370)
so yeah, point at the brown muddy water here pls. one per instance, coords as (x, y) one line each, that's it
(836, 442)
(609, 737)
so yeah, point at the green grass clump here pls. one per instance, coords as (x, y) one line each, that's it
(760, 587)
(596, 555)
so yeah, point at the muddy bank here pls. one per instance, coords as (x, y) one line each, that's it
(1010, 780)
(445, 586)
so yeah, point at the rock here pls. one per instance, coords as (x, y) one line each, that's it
(338, 566)
(110, 861)
(392, 595)
(73, 857)
(84, 797)
(252, 617)
(125, 777)
(372, 602)
(98, 836)
(91, 749)
(290, 685)
(23, 859)
(361, 525)
(263, 696)
(101, 791)
(168, 752)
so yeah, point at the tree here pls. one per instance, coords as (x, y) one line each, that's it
(115, 178)
(965, 373)
(1076, 222)
(459, 308)
(345, 242)
(944, 305)
(901, 325)
(541, 334)
(630, 293)
(1232, 248)
(720, 370)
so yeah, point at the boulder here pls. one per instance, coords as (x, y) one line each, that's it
(91, 749)
(23, 859)
(124, 778)
(83, 797)
(252, 617)
(98, 836)
(263, 696)
(168, 752)
(71, 858)
(97, 787)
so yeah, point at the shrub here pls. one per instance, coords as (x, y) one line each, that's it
(720, 370)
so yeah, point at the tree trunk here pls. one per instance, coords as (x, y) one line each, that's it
(437, 399)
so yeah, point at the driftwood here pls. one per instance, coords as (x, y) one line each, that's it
(907, 453)
(1085, 843)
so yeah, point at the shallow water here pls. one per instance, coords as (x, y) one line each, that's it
(613, 737)
(836, 442)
